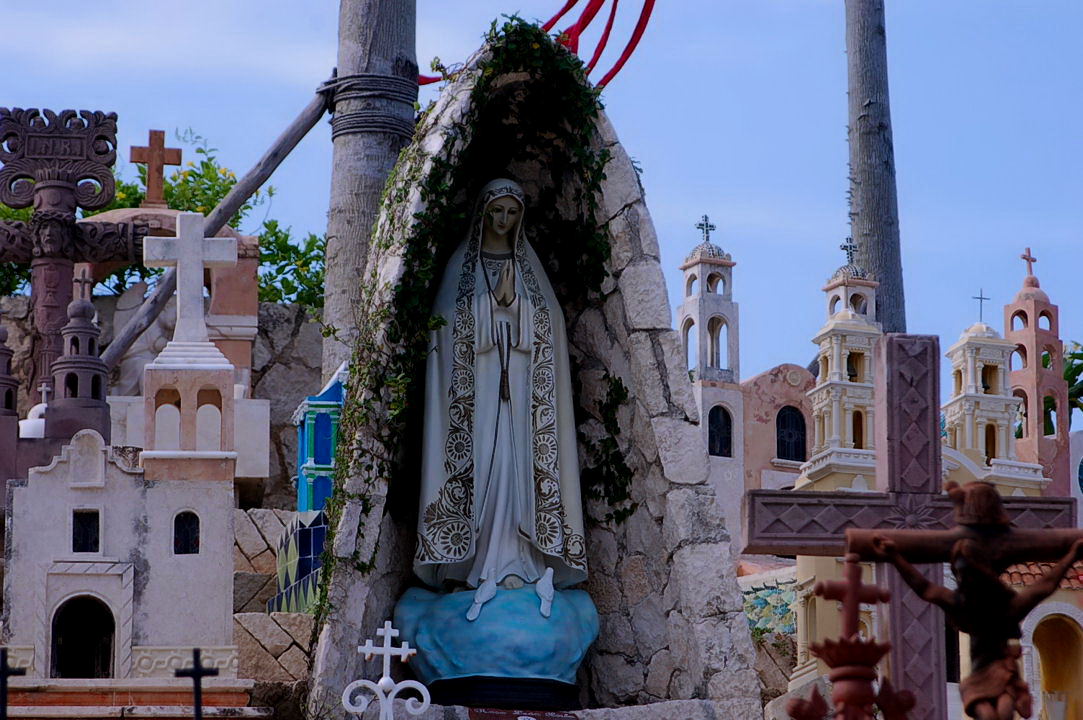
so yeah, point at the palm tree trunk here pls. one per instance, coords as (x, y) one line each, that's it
(874, 208)
(373, 120)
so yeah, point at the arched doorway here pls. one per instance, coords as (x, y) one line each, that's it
(82, 644)
(1059, 642)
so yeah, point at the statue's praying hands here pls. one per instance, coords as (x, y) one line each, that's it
(504, 292)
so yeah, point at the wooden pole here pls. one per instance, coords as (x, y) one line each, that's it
(373, 120)
(874, 208)
(231, 203)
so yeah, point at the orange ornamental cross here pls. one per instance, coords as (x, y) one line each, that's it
(156, 156)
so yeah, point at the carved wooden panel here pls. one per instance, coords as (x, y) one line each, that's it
(908, 413)
(917, 643)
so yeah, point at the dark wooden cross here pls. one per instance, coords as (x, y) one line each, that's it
(1030, 260)
(58, 163)
(908, 480)
(849, 247)
(980, 297)
(705, 226)
(6, 671)
(197, 672)
(156, 156)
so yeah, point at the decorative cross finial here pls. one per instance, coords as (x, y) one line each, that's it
(385, 689)
(1030, 260)
(6, 671)
(45, 388)
(197, 672)
(852, 592)
(156, 156)
(980, 297)
(83, 281)
(190, 253)
(706, 226)
(849, 248)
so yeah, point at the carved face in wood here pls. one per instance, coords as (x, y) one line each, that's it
(502, 216)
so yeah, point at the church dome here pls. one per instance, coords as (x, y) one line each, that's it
(849, 272)
(1031, 290)
(706, 251)
(980, 330)
(80, 309)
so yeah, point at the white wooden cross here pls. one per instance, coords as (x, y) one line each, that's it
(190, 253)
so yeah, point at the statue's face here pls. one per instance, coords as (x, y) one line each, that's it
(502, 215)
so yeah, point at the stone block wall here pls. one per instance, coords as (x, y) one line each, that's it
(273, 647)
(256, 535)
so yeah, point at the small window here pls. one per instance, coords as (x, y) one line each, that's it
(719, 432)
(790, 434)
(9, 399)
(186, 533)
(71, 385)
(85, 531)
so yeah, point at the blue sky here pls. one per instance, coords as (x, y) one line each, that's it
(735, 108)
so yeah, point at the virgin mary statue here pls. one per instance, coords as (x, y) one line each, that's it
(500, 498)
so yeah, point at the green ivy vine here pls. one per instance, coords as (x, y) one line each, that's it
(525, 74)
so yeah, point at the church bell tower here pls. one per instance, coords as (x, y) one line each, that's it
(708, 321)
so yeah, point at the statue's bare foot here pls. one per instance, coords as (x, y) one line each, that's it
(546, 593)
(485, 592)
(512, 582)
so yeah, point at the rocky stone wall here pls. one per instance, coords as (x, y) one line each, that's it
(273, 647)
(285, 369)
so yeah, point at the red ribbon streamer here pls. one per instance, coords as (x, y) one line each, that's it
(604, 39)
(641, 25)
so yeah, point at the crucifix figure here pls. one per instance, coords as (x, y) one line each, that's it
(190, 253)
(705, 226)
(1030, 260)
(980, 297)
(980, 548)
(197, 672)
(59, 163)
(908, 478)
(156, 156)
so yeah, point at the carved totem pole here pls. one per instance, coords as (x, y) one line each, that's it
(59, 163)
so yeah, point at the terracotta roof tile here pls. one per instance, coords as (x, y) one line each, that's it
(1028, 573)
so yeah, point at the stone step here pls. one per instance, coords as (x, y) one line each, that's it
(158, 712)
(24, 692)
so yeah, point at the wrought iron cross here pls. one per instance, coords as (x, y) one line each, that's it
(849, 247)
(197, 672)
(1030, 260)
(156, 156)
(980, 297)
(83, 281)
(6, 671)
(706, 226)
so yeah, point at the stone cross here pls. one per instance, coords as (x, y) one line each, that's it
(1030, 260)
(83, 282)
(706, 226)
(908, 479)
(980, 297)
(6, 671)
(197, 672)
(156, 156)
(190, 253)
(43, 390)
(57, 163)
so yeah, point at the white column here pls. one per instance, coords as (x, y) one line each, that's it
(848, 421)
(836, 420)
(971, 365)
(836, 358)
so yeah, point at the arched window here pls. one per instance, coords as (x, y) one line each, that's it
(1049, 357)
(1019, 320)
(1049, 415)
(71, 385)
(990, 443)
(718, 332)
(833, 306)
(719, 432)
(73, 349)
(715, 284)
(186, 533)
(690, 286)
(790, 434)
(855, 367)
(691, 345)
(858, 430)
(1045, 320)
(859, 304)
(91, 347)
(1019, 358)
(1021, 418)
(990, 380)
